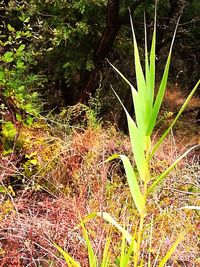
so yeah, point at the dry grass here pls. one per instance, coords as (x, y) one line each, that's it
(175, 97)
(74, 182)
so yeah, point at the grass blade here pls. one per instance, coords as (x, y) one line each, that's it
(147, 70)
(137, 196)
(157, 145)
(150, 94)
(138, 145)
(152, 62)
(172, 249)
(123, 248)
(126, 257)
(122, 76)
(141, 83)
(138, 148)
(165, 173)
(107, 217)
(162, 88)
(106, 254)
(91, 254)
(69, 260)
(191, 208)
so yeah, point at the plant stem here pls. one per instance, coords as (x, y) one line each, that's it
(140, 230)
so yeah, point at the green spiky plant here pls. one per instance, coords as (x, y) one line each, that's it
(146, 107)
(141, 183)
(140, 131)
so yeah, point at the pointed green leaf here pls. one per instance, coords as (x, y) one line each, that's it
(138, 140)
(91, 254)
(162, 88)
(107, 217)
(151, 80)
(114, 156)
(106, 254)
(147, 70)
(150, 91)
(152, 61)
(172, 249)
(165, 173)
(123, 248)
(69, 260)
(141, 83)
(121, 75)
(86, 219)
(138, 147)
(10, 28)
(8, 57)
(137, 196)
(126, 257)
(159, 98)
(157, 145)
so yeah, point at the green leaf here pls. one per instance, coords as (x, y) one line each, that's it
(33, 161)
(114, 156)
(19, 117)
(26, 19)
(162, 87)
(91, 254)
(172, 249)
(138, 141)
(10, 28)
(137, 196)
(18, 34)
(7, 152)
(8, 130)
(165, 173)
(3, 189)
(29, 120)
(121, 75)
(157, 145)
(150, 92)
(141, 83)
(21, 48)
(106, 254)
(126, 257)
(20, 64)
(69, 260)
(2, 75)
(107, 217)
(152, 64)
(8, 57)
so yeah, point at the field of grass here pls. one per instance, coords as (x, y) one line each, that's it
(59, 176)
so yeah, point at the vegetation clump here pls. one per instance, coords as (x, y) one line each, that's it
(75, 190)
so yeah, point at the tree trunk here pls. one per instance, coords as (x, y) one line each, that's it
(106, 42)
(105, 45)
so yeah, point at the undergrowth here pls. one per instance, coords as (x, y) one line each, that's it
(53, 173)
(61, 177)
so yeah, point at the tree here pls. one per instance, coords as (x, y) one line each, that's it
(71, 39)
(113, 24)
